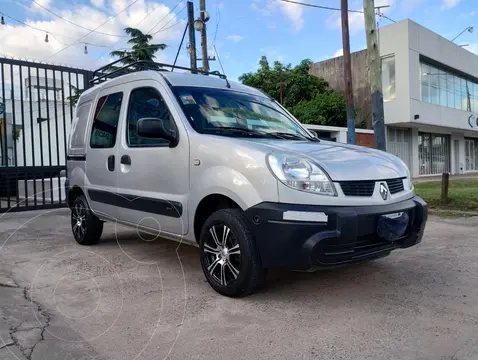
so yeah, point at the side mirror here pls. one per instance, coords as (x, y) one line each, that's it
(153, 128)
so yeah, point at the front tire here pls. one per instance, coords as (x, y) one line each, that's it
(86, 226)
(229, 259)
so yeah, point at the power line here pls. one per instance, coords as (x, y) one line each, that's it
(48, 32)
(386, 17)
(218, 19)
(73, 23)
(164, 17)
(169, 27)
(147, 15)
(162, 29)
(319, 6)
(335, 9)
(66, 47)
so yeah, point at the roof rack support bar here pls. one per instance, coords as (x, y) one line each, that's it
(143, 65)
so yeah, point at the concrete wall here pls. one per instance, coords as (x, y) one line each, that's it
(367, 140)
(333, 72)
(394, 42)
(363, 137)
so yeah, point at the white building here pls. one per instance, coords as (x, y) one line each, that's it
(431, 94)
(430, 88)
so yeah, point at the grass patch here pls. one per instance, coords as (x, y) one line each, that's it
(462, 195)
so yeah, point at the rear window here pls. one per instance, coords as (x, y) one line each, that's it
(78, 130)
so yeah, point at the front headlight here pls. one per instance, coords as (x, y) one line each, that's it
(300, 173)
(408, 181)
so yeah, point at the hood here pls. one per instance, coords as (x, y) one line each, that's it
(341, 161)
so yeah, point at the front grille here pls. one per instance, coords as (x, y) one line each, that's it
(366, 187)
(358, 188)
(395, 185)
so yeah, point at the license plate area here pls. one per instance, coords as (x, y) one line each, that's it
(393, 226)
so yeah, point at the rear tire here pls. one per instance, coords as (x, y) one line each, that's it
(229, 258)
(86, 226)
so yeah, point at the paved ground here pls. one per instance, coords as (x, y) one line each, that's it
(132, 298)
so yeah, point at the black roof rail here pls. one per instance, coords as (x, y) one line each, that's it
(111, 71)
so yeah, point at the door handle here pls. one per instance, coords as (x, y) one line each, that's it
(125, 160)
(111, 163)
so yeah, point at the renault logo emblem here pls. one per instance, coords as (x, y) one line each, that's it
(383, 191)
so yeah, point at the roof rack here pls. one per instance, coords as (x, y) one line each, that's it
(111, 71)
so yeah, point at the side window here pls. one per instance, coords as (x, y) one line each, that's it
(147, 103)
(105, 121)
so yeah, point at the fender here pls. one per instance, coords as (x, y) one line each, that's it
(225, 181)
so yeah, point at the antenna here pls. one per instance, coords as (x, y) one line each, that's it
(222, 68)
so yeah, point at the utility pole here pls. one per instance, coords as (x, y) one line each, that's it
(375, 74)
(205, 59)
(192, 36)
(344, 9)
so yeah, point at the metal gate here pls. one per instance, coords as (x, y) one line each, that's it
(433, 153)
(36, 108)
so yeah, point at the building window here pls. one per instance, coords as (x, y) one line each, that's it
(388, 78)
(471, 154)
(441, 87)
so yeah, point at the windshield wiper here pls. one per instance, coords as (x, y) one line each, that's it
(287, 135)
(236, 129)
(274, 134)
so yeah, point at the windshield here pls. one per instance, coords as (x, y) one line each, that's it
(231, 113)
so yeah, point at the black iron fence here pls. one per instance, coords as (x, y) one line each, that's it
(36, 109)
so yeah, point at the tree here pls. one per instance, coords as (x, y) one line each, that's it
(75, 96)
(141, 48)
(327, 108)
(307, 97)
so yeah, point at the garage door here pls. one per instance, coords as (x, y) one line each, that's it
(399, 143)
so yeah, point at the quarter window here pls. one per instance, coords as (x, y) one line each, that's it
(147, 103)
(105, 121)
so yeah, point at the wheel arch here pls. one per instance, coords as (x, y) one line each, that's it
(207, 206)
(73, 193)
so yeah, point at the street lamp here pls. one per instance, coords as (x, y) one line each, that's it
(469, 29)
(203, 18)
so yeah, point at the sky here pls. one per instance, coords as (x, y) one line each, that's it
(241, 30)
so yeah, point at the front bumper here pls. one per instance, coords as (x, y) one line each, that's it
(348, 235)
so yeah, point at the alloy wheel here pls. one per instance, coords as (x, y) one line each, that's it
(222, 254)
(78, 220)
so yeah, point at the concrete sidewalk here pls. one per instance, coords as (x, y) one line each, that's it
(24, 329)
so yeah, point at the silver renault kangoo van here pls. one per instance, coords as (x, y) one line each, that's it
(202, 160)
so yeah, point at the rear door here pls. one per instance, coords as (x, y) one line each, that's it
(153, 178)
(101, 158)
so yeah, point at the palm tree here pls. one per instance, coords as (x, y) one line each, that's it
(141, 49)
